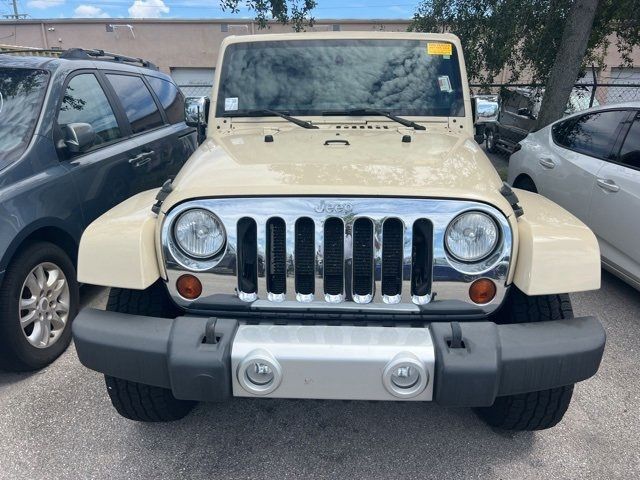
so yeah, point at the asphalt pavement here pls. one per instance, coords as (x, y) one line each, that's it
(58, 423)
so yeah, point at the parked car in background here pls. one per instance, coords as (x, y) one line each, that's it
(517, 114)
(78, 135)
(590, 164)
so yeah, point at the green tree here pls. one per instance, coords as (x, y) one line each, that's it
(530, 37)
(294, 12)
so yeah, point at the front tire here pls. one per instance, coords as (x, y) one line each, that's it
(528, 411)
(136, 401)
(532, 410)
(38, 301)
(144, 403)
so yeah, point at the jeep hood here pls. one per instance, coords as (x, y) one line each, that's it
(436, 163)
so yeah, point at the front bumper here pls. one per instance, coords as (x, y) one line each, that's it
(199, 358)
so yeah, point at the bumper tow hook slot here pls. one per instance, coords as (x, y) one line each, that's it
(456, 336)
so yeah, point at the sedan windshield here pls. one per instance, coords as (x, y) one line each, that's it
(320, 77)
(21, 94)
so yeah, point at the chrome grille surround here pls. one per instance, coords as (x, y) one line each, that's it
(450, 278)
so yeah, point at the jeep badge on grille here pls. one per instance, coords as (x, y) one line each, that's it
(343, 208)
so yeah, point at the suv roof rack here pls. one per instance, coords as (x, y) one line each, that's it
(85, 54)
(78, 54)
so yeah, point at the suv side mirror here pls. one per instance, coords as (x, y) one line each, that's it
(196, 111)
(79, 137)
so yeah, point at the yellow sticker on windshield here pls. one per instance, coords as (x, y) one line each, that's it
(439, 48)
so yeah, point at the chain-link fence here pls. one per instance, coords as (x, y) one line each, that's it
(199, 90)
(585, 94)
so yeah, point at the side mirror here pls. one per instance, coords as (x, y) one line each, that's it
(196, 111)
(79, 137)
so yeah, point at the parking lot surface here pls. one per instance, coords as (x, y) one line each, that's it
(58, 423)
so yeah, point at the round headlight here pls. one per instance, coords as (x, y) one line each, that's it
(199, 233)
(471, 236)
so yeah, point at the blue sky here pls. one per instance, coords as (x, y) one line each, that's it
(198, 8)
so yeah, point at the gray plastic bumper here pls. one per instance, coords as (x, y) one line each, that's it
(201, 359)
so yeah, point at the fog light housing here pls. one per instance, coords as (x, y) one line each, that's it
(405, 376)
(259, 373)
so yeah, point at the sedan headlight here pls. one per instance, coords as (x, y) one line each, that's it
(199, 233)
(471, 236)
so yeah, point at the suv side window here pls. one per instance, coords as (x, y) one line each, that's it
(137, 101)
(170, 97)
(593, 134)
(630, 152)
(84, 101)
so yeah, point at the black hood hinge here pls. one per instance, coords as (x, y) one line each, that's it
(162, 195)
(508, 193)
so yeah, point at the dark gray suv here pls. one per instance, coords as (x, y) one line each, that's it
(79, 133)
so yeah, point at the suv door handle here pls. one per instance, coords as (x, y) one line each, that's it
(142, 159)
(608, 185)
(547, 162)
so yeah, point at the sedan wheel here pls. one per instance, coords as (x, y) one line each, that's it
(44, 305)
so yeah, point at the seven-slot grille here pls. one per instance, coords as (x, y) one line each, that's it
(336, 260)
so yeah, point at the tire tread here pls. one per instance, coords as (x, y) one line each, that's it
(532, 410)
(145, 403)
(136, 401)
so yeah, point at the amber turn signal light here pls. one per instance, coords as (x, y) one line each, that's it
(189, 286)
(482, 291)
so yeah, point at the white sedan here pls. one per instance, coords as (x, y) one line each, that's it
(589, 163)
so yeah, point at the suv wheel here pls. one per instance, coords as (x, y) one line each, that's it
(491, 141)
(533, 410)
(38, 301)
(136, 401)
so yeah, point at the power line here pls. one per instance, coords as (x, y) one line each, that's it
(16, 14)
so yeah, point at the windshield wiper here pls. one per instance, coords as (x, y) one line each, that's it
(375, 111)
(266, 111)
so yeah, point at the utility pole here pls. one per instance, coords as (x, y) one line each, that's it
(16, 15)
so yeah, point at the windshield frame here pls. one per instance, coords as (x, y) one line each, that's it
(223, 122)
(10, 156)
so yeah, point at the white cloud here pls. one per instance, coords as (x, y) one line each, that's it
(89, 11)
(148, 9)
(43, 4)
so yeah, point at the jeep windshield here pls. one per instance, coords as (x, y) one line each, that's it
(21, 94)
(417, 78)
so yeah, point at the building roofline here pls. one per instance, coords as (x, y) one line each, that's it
(216, 21)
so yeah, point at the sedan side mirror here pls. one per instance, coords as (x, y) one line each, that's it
(196, 111)
(79, 137)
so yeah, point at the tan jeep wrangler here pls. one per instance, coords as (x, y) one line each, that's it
(340, 235)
